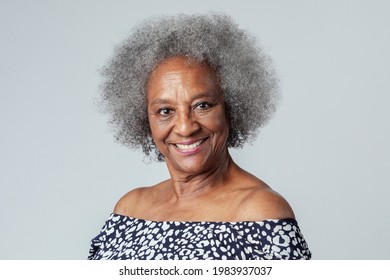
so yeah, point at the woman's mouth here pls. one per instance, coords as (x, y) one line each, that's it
(189, 147)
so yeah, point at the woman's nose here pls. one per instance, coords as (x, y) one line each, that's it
(185, 123)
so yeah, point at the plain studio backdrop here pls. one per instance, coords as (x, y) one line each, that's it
(326, 150)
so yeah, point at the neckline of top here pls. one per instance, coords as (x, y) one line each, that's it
(288, 220)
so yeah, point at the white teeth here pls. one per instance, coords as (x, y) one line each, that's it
(186, 147)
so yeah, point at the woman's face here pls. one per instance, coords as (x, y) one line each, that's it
(187, 115)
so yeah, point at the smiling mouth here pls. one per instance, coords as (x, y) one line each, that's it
(184, 147)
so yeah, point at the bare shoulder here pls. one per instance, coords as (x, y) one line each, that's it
(264, 203)
(139, 201)
(257, 201)
(129, 201)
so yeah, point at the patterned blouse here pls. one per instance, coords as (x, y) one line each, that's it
(124, 237)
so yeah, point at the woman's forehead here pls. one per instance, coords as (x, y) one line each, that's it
(182, 63)
(178, 74)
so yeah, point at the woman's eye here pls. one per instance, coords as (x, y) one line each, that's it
(203, 105)
(164, 111)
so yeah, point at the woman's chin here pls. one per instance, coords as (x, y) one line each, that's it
(193, 164)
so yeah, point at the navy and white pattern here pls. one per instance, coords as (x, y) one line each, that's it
(124, 237)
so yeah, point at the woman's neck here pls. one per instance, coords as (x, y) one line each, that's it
(185, 186)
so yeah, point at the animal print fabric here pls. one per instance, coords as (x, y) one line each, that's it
(124, 237)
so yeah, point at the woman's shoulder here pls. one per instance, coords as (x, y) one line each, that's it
(257, 200)
(133, 201)
(262, 203)
(126, 202)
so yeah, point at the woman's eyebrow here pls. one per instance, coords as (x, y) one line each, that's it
(160, 101)
(196, 96)
(203, 95)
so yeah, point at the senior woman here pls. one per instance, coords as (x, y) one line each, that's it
(185, 89)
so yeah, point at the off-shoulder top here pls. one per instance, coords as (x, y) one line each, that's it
(125, 237)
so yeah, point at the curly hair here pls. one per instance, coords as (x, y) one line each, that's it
(247, 77)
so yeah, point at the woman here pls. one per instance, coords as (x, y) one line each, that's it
(187, 88)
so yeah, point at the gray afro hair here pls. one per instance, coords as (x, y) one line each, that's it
(246, 75)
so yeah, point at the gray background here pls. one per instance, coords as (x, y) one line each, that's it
(326, 150)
